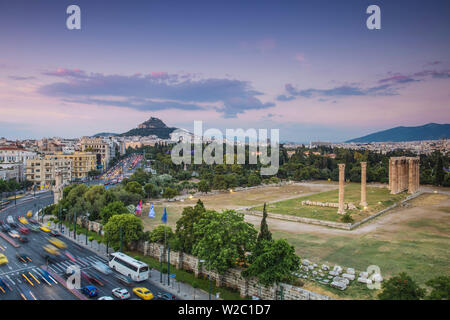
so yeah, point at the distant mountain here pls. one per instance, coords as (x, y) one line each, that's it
(430, 131)
(105, 134)
(152, 126)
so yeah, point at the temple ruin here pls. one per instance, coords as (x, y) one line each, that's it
(404, 174)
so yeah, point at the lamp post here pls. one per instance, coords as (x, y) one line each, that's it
(160, 265)
(168, 264)
(75, 226)
(87, 227)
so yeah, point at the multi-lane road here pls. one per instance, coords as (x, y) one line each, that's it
(25, 278)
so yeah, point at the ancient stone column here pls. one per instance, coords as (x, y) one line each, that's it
(363, 184)
(390, 174)
(417, 174)
(341, 187)
(394, 176)
(399, 175)
(411, 178)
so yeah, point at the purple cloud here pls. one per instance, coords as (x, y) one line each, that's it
(389, 86)
(140, 91)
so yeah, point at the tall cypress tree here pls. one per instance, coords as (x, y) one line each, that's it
(264, 233)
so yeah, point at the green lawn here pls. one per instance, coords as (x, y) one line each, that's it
(420, 248)
(377, 199)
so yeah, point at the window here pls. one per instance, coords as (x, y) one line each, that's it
(143, 269)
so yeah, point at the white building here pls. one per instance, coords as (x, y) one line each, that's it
(14, 154)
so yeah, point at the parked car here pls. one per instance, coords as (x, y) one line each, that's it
(143, 293)
(106, 298)
(54, 233)
(89, 291)
(6, 227)
(3, 259)
(14, 234)
(165, 296)
(24, 230)
(121, 293)
(23, 239)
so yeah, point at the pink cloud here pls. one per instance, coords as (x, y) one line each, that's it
(300, 57)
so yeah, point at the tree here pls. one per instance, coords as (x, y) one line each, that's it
(94, 173)
(113, 208)
(253, 180)
(441, 288)
(223, 238)
(170, 193)
(161, 233)
(131, 229)
(134, 187)
(203, 186)
(185, 226)
(141, 176)
(151, 191)
(401, 287)
(264, 233)
(219, 182)
(276, 263)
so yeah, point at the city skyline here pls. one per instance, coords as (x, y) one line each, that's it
(312, 70)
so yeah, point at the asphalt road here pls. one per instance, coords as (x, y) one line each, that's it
(23, 277)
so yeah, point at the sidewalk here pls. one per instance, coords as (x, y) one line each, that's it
(182, 290)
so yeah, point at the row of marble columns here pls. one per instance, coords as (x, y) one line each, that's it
(404, 174)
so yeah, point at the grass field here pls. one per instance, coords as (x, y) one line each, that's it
(377, 199)
(414, 238)
(418, 245)
(226, 200)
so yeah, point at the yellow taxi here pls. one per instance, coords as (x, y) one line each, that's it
(23, 220)
(3, 259)
(29, 214)
(51, 249)
(57, 243)
(45, 229)
(143, 293)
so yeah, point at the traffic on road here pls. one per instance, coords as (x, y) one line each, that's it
(38, 262)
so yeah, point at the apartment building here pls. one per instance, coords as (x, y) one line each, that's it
(42, 171)
(82, 162)
(99, 147)
(14, 154)
(10, 171)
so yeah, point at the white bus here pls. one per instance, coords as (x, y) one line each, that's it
(136, 270)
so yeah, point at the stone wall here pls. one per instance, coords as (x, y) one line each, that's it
(338, 225)
(93, 226)
(231, 279)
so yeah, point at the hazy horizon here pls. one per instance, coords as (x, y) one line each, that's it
(312, 70)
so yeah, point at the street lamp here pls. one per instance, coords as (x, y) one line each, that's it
(87, 227)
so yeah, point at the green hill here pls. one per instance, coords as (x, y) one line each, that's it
(430, 131)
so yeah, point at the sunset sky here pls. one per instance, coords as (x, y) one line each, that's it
(310, 68)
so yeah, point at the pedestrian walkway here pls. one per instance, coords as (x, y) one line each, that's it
(179, 289)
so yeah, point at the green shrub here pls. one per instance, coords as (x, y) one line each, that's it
(347, 218)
